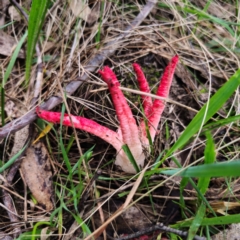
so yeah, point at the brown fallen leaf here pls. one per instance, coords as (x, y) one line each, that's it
(8, 44)
(3, 8)
(14, 14)
(223, 207)
(94, 14)
(36, 170)
(13, 111)
(80, 9)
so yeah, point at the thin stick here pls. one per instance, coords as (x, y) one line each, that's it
(157, 227)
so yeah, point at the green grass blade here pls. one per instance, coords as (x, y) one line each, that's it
(13, 59)
(64, 153)
(84, 226)
(220, 123)
(209, 152)
(28, 235)
(34, 232)
(203, 184)
(130, 157)
(12, 160)
(36, 18)
(223, 220)
(98, 36)
(146, 127)
(182, 186)
(224, 169)
(6, 25)
(215, 103)
(8, 72)
(196, 223)
(205, 15)
(209, 157)
(2, 106)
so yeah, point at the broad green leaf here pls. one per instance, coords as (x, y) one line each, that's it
(224, 169)
(36, 18)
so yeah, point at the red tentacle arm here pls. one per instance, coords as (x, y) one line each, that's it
(128, 127)
(144, 87)
(127, 122)
(146, 101)
(163, 91)
(84, 124)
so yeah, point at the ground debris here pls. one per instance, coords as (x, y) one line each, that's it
(7, 45)
(231, 233)
(36, 170)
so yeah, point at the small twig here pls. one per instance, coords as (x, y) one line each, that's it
(157, 227)
(107, 51)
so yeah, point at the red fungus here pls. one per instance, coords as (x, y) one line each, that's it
(128, 133)
(163, 91)
(144, 87)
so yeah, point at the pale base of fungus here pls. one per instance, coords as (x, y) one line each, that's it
(123, 162)
(128, 133)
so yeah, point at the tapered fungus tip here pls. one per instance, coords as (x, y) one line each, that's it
(49, 116)
(136, 65)
(107, 75)
(38, 110)
(175, 59)
(105, 70)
